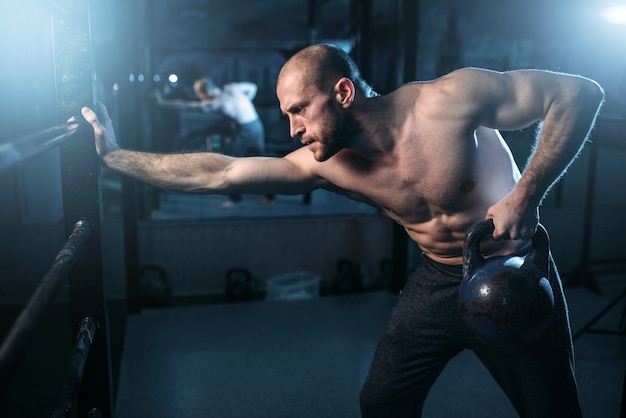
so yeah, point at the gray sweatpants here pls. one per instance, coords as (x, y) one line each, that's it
(248, 140)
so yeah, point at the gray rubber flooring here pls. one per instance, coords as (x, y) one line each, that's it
(308, 358)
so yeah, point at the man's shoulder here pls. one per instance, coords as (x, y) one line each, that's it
(458, 86)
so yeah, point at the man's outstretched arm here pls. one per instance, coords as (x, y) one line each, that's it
(199, 172)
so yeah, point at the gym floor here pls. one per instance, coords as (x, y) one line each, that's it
(289, 358)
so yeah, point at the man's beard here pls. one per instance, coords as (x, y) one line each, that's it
(338, 134)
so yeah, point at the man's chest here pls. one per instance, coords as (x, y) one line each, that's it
(410, 189)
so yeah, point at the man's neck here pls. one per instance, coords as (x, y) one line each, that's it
(377, 138)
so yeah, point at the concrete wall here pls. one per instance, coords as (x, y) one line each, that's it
(197, 255)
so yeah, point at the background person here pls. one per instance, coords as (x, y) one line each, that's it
(234, 100)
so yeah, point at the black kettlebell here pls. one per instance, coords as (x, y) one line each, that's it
(348, 278)
(506, 300)
(154, 286)
(238, 285)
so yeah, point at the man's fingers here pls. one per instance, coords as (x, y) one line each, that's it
(89, 115)
(513, 234)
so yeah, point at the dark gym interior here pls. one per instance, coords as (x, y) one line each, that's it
(159, 304)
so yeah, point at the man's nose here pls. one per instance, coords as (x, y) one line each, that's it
(296, 129)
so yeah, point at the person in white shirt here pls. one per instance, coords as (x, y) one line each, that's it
(234, 101)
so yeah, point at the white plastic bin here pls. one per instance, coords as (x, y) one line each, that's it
(293, 286)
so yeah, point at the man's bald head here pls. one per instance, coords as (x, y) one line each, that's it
(322, 66)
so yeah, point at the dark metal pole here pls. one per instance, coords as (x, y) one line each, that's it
(588, 326)
(623, 406)
(410, 13)
(80, 173)
(361, 33)
(129, 135)
(84, 339)
(12, 153)
(23, 327)
(313, 21)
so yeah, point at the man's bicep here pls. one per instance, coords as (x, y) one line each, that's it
(517, 99)
(271, 175)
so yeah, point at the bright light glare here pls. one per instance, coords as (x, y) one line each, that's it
(173, 78)
(616, 14)
(484, 291)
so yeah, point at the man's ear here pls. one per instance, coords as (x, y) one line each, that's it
(345, 92)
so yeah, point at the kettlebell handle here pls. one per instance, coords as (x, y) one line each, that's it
(471, 246)
(538, 255)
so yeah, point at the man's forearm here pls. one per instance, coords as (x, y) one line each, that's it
(190, 173)
(563, 133)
